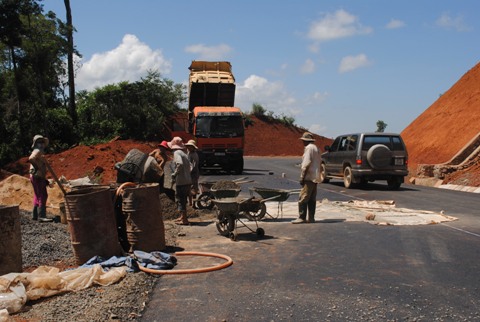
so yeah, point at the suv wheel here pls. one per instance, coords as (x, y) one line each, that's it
(347, 177)
(323, 174)
(379, 156)
(394, 183)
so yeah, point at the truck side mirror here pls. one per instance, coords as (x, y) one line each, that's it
(327, 147)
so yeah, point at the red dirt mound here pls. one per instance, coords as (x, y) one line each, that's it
(448, 124)
(262, 139)
(446, 127)
(82, 161)
(275, 139)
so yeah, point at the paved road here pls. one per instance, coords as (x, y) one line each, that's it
(332, 271)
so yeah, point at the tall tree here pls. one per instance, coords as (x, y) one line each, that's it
(381, 126)
(71, 74)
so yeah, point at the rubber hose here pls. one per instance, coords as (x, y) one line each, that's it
(120, 190)
(228, 262)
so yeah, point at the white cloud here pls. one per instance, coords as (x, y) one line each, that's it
(339, 24)
(273, 96)
(204, 52)
(457, 23)
(308, 67)
(350, 63)
(395, 24)
(128, 62)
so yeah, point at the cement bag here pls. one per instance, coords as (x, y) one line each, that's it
(13, 295)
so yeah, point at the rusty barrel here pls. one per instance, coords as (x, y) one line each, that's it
(143, 216)
(10, 240)
(91, 221)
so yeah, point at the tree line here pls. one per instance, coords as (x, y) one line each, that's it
(37, 92)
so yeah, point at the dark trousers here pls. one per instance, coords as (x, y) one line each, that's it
(307, 201)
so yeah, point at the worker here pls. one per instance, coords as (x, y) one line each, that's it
(161, 157)
(195, 170)
(38, 173)
(160, 154)
(181, 178)
(308, 180)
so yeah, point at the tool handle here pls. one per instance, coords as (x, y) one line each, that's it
(55, 177)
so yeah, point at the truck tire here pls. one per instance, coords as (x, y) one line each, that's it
(238, 167)
(348, 177)
(379, 156)
(323, 174)
(394, 183)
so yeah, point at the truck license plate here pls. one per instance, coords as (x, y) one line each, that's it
(398, 161)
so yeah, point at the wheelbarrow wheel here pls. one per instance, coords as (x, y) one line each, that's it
(204, 201)
(225, 224)
(256, 215)
(260, 232)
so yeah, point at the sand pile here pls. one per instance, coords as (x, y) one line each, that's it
(17, 190)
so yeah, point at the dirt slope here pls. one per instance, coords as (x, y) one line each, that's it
(275, 139)
(448, 124)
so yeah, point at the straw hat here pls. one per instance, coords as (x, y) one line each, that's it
(192, 143)
(176, 143)
(39, 137)
(307, 136)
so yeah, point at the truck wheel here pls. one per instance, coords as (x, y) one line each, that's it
(323, 174)
(348, 177)
(394, 183)
(239, 167)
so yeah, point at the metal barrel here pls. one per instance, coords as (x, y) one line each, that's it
(143, 215)
(10, 240)
(91, 221)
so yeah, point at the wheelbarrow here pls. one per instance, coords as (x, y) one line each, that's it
(229, 216)
(206, 196)
(270, 194)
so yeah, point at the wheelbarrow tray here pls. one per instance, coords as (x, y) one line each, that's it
(273, 194)
(227, 205)
(225, 193)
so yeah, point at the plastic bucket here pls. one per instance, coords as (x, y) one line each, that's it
(10, 240)
(91, 222)
(143, 216)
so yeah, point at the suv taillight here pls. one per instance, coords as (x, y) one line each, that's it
(359, 161)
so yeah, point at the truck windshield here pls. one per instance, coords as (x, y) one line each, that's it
(219, 126)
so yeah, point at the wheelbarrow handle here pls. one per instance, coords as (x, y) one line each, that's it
(246, 200)
(271, 198)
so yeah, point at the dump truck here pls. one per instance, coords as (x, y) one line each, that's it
(213, 120)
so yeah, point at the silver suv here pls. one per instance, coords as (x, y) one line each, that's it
(365, 157)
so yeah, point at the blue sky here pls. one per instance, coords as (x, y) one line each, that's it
(335, 66)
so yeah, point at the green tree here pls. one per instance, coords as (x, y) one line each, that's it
(258, 110)
(32, 51)
(381, 126)
(130, 110)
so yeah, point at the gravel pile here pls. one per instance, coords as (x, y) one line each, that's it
(49, 244)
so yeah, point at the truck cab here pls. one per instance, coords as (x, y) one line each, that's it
(213, 120)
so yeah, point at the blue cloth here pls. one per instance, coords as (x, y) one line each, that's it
(154, 260)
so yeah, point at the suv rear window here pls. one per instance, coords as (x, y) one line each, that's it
(393, 143)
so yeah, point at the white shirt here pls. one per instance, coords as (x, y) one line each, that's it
(310, 163)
